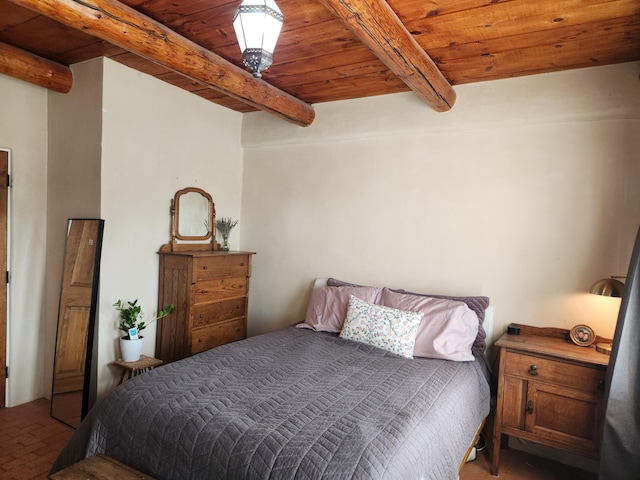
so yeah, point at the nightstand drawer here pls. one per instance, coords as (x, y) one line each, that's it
(531, 367)
(218, 334)
(209, 268)
(208, 314)
(212, 290)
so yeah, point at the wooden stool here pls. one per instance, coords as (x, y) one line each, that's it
(99, 467)
(131, 369)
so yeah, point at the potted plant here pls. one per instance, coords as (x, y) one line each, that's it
(131, 324)
(225, 225)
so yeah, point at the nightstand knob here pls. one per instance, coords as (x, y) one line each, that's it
(205, 268)
(533, 370)
(530, 407)
(601, 385)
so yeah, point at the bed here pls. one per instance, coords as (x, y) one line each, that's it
(303, 403)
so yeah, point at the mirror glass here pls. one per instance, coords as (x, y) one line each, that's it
(193, 215)
(72, 377)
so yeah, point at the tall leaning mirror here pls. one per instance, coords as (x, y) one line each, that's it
(76, 321)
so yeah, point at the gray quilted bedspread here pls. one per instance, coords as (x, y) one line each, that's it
(293, 404)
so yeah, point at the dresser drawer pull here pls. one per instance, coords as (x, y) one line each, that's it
(533, 370)
(530, 407)
(601, 385)
(202, 315)
(199, 340)
(204, 291)
(205, 268)
(242, 264)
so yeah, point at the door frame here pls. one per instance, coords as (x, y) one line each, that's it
(5, 332)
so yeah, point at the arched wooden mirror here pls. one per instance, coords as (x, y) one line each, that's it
(72, 366)
(193, 219)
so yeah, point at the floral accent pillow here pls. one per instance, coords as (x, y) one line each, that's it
(388, 328)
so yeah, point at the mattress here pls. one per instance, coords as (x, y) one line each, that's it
(292, 404)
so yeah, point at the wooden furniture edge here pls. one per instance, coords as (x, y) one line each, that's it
(552, 332)
(474, 442)
(98, 467)
(548, 341)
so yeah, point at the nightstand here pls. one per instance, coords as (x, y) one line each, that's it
(550, 391)
(131, 369)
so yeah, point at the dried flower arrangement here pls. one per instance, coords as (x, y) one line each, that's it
(225, 225)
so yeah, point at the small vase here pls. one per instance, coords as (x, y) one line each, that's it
(130, 349)
(225, 243)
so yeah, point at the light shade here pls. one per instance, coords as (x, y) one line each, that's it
(608, 287)
(257, 24)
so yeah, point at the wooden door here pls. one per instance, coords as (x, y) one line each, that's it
(4, 184)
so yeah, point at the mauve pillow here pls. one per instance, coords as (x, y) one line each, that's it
(478, 304)
(448, 328)
(327, 307)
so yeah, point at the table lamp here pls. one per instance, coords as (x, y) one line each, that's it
(607, 287)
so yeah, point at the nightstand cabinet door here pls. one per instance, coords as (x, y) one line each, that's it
(565, 417)
(210, 292)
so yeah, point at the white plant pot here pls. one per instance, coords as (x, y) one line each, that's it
(131, 349)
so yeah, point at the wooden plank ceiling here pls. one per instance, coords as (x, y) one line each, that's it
(321, 57)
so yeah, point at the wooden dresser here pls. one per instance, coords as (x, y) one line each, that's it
(550, 391)
(210, 292)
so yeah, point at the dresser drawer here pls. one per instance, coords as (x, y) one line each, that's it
(218, 334)
(589, 379)
(207, 314)
(220, 289)
(209, 268)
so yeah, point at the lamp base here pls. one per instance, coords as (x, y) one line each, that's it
(603, 348)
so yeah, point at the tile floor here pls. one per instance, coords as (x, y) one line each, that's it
(30, 440)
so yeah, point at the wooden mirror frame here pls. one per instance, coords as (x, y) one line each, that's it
(175, 223)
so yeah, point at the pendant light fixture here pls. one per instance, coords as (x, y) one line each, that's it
(257, 24)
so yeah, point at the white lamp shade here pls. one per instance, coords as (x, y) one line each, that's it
(257, 24)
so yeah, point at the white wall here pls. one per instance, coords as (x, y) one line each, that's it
(120, 145)
(156, 140)
(23, 130)
(527, 191)
(73, 181)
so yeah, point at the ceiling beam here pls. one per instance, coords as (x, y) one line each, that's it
(26, 66)
(376, 25)
(127, 28)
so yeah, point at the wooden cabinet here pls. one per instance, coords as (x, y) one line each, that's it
(550, 391)
(210, 292)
